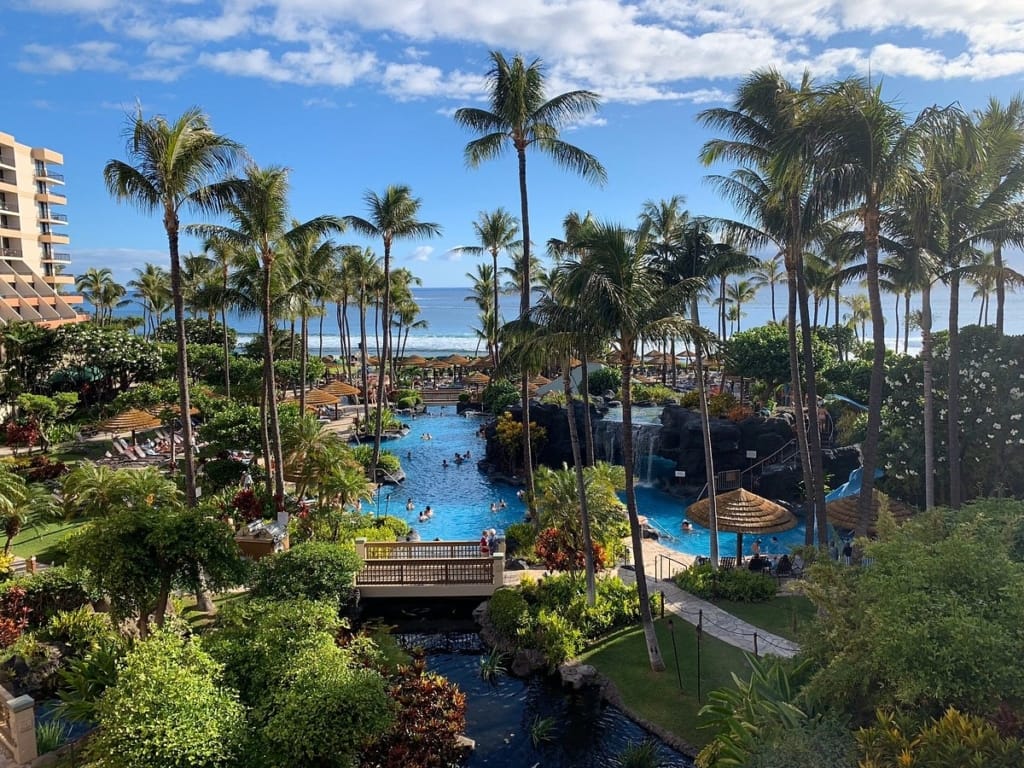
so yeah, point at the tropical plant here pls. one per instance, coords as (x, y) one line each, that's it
(98, 287)
(393, 216)
(175, 165)
(522, 117)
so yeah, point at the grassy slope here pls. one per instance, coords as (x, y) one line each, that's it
(784, 616)
(44, 541)
(656, 697)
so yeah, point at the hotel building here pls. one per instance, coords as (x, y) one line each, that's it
(32, 236)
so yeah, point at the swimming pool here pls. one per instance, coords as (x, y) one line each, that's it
(461, 495)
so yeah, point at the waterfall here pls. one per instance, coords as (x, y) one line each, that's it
(646, 441)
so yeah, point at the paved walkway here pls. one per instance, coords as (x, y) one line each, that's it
(716, 622)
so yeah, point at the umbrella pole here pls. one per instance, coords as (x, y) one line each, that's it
(739, 549)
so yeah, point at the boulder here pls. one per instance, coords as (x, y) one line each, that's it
(578, 675)
(526, 661)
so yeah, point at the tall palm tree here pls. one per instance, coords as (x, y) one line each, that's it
(496, 230)
(171, 166)
(224, 256)
(769, 138)
(617, 279)
(363, 268)
(521, 117)
(261, 224)
(771, 272)
(393, 216)
(722, 265)
(152, 284)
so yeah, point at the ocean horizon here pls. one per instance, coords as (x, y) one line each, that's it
(451, 317)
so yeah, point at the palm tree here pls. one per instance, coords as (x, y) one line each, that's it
(771, 272)
(312, 262)
(173, 166)
(769, 138)
(723, 264)
(739, 293)
(363, 268)
(259, 214)
(224, 256)
(617, 280)
(393, 216)
(521, 117)
(100, 289)
(152, 284)
(496, 231)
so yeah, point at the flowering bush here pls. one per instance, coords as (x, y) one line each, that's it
(558, 553)
(14, 615)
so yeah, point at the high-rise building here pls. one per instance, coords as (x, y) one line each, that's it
(32, 235)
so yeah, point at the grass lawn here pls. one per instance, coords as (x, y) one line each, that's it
(656, 697)
(43, 541)
(784, 616)
(71, 453)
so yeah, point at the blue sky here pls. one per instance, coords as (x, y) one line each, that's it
(355, 95)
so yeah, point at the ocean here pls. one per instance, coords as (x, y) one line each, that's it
(449, 318)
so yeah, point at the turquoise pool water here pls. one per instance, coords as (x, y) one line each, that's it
(461, 496)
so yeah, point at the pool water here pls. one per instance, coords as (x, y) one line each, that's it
(461, 495)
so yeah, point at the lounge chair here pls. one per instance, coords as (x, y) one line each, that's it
(725, 563)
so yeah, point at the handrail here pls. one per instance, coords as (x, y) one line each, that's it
(769, 457)
(658, 565)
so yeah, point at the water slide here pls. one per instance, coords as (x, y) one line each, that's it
(852, 486)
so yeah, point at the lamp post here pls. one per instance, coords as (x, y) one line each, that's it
(675, 652)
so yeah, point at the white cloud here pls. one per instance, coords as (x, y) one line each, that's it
(421, 253)
(588, 121)
(52, 59)
(320, 102)
(626, 50)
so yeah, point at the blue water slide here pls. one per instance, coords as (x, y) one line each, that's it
(852, 486)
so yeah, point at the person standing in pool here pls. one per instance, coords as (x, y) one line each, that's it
(409, 506)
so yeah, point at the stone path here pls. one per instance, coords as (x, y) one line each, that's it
(716, 622)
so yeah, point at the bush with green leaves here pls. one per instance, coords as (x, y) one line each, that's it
(387, 461)
(509, 613)
(314, 571)
(168, 709)
(655, 393)
(737, 584)
(499, 394)
(603, 380)
(83, 630)
(197, 331)
(48, 592)
(519, 540)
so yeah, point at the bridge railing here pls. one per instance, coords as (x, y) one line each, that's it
(440, 566)
(394, 550)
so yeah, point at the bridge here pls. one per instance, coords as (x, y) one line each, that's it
(427, 569)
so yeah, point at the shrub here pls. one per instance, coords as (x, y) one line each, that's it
(690, 399)
(737, 584)
(722, 403)
(499, 394)
(50, 735)
(509, 613)
(221, 473)
(83, 629)
(556, 637)
(556, 551)
(654, 392)
(604, 380)
(315, 571)
(46, 593)
(248, 505)
(412, 396)
(14, 615)
(519, 539)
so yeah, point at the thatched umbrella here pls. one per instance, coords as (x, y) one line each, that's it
(341, 389)
(133, 420)
(457, 360)
(413, 361)
(540, 380)
(740, 512)
(842, 513)
(478, 379)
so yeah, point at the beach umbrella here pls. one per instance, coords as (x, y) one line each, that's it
(133, 420)
(477, 378)
(341, 389)
(479, 363)
(539, 380)
(842, 513)
(740, 512)
(457, 360)
(413, 361)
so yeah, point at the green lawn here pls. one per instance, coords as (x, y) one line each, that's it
(656, 697)
(784, 615)
(43, 541)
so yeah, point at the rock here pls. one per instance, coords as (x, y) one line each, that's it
(526, 661)
(578, 675)
(516, 564)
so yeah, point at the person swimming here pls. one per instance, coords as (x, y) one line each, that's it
(502, 504)
(428, 512)
(687, 526)
(409, 506)
(494, 507)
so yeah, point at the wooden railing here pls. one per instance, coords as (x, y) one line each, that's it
(394, 550)
(479, 570)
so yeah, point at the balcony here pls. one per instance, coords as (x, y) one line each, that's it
(10, 253)
(51, 198)
(6, 160)
(58, 218)
(46, 174)
(58, 256)
(54, 239)
(11, 206)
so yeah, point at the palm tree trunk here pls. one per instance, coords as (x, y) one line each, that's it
(997, 262)
(906, 321)
(929, 397)
(494, 339)
(227, 346)
(953, 406)
(581, 485)
(524, 310)
(796, 397)
(636, 534)
(705, 428)
(869, 448)
(265, 433)
(273, 423)
(382, 368)
(303, 362)
(323, 311)
(816, 491)
(171, 225)
(362, 356)
(585, 393)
